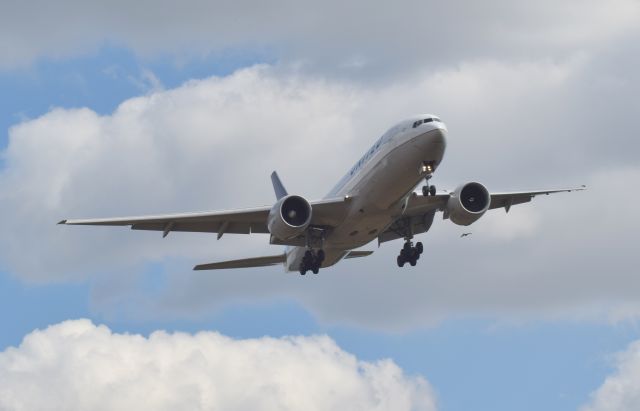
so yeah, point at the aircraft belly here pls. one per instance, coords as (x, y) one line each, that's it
(397, 174)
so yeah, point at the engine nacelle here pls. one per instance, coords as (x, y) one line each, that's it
(289, 217)
(468, 203)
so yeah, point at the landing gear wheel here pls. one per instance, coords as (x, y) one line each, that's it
(432, 190)
(400, 261)
(419, 247)
(303, 271)
(425, 191)
(413, 261)
(315, 270)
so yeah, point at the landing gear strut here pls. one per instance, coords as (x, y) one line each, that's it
(311, 261)
(428, 189)
(410, 253)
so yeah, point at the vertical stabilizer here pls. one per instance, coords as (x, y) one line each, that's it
(277, 186)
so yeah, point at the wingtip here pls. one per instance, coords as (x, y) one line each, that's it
(62, 222)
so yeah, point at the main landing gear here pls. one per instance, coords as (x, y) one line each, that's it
(410, 253)
(311, 261)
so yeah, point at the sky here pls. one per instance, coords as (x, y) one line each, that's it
(114, 109)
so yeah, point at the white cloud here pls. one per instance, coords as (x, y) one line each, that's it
(211, 144)
(621, 390)
(327, 36)
(76, 365)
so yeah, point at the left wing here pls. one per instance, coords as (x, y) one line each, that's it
(420, 209)
(329, 212)
(418, 204)
(506, 200)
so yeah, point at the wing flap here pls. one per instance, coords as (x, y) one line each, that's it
(201, 227)
(244, 263)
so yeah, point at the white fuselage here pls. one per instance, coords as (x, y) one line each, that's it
(378, 186)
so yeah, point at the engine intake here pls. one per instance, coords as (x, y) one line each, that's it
(289, 217)
(468, 203)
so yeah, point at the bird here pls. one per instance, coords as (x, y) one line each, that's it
(465, 234)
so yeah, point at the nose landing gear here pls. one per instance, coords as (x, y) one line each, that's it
(311, 261)
(427, 169)
(410, 253)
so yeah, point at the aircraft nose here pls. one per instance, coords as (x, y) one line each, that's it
(439, 135)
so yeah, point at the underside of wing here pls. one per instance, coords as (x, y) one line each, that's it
(244, 263)
(420, 210)
(508, 199)
(234, 221)
(328, 212)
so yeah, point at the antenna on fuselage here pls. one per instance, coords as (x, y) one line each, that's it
(277, 186)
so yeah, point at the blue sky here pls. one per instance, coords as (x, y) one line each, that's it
(530, 316)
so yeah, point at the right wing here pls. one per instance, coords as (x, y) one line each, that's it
(329, 212)
(420, 210)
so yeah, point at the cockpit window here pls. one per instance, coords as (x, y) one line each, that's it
(426, 120)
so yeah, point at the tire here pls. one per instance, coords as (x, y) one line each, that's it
(413, 262)
(432, 190)
(425, 191)
(419, 247)
(400, 261)
(303, 272)
(315, 270)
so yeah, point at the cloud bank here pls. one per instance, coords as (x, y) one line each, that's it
(76, 365)
(211, 144)
(327, 36)
(621, 390)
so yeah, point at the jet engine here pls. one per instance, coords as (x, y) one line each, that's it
(468, 203)
(289, 217)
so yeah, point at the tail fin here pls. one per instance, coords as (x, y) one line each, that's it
(277, 186)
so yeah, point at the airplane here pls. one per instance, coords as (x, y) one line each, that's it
(374, 200)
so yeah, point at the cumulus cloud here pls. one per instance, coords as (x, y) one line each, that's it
(330, 36)
(76, 365)
(621, 390)
(211, 144)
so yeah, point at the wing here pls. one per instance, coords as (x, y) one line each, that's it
(420, 209)
(418, 204)
(506, 200)
(329, 212)
(244, 263)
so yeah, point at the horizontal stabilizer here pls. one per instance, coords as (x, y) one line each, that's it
(244, 263)
(356, 254)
